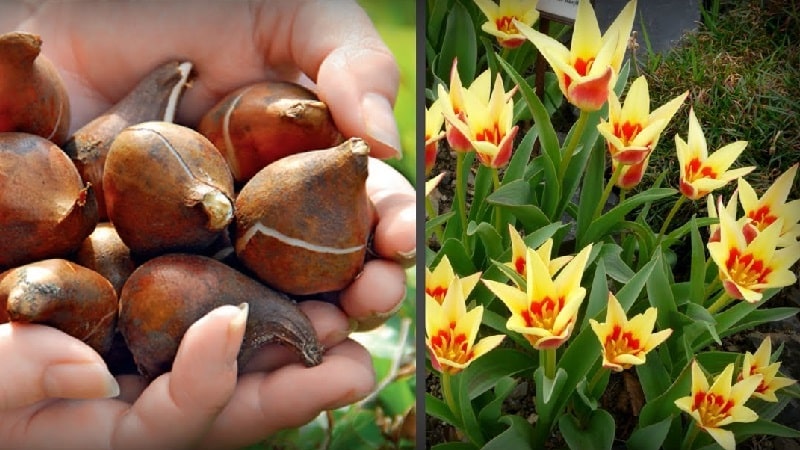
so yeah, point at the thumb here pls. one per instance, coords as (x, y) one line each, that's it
(41, 362)
(355, 73)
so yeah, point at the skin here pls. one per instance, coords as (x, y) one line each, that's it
(102, 49)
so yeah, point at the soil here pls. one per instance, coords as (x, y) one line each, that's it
(623, 398)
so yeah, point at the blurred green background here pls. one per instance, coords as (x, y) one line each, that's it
(386, 419)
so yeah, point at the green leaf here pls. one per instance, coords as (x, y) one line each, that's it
(598, 296)
(356, 430)
(481, 188)
(460, 42)
(653, 376)
(616, 267)
(436, 16)
(761, 427)
(515, 197)
(522, 155)
(432, 224)
(497, 322)
(471, 428)
(492, 241)
(592, 189)
(490, 414)
(760, 316)
(517, 436)
(458, 256)
(454, 446)
(715, 361)
(512, 275)
(663, 406)
(586, 145)
(697, 271)
(484, 372)
(596, 434)
(630, 292)
(437, 408)
(547, 134)
(659, 291)
(650, 437)
(605, 222)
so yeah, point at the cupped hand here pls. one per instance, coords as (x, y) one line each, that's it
(102, 49)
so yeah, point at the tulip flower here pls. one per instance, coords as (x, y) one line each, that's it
(632, 130)
(746, 269)
(626, 342)
(488, 120)
(719, 405)
(762, 212)
(758, 364)
(431, 184)
(451, 331)
(748, 230)
(433, 132)
(546, 311)
(588, 69)
(701, 173)
(438, 281)
(453, 104)
(519, 253)
(501, 19)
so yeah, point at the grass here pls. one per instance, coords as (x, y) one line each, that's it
(742, 71)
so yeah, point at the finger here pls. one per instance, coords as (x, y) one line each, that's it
(355, 72)
(395, 204)
(178, 407)
(330, 323)
(292, 396)
(51, 364)
(375, 295)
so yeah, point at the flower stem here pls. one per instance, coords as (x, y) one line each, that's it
(595, 379)
(688, 440)
(622, 194)
(447, 392)
(498, 223)
(547, 359)
(432, 213)
(671, 214)
(721, 302)
(571, 145)
(461, 195)
(607, 191)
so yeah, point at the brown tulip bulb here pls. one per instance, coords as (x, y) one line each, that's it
(303, 222)
(167, 294)
(63, 295)
(260, 123)
(154, 98)
(33, 98)
(45, 209)
(167, 189)
(105, 253)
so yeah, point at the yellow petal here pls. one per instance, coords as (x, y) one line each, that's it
(696, 140)
(637, 102)
(570, 276)
(668, 110)
(699, 381)
(724, 438)
(722, 159)
(489, 9)
(722, 384)
(514, 299)
(622, 26)
(586, 37)
(431, 184)
(469, 324)
(615, 315)
(486, 344)
(540, 283)
(657, 339)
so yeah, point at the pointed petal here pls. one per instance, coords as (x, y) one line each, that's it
(667, 111)
(722, 159)
(724, 438)
(489, 8)
(696, 140)
(486, 344)
(514, 299)
(570, 276)
(586, 37)
(637, 102)
(622, 26)
(722, 384)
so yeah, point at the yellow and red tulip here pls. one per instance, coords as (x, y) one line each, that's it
(453, 104)
(762, 212)
(719, 405)
(626, 342)
(747, 268)
(632, 130)
(439, 280)
(519, 254)
(433, 132)
(758, 363)
(748, 230)
(451, 330)
(702, 173)
(588, 69)
(546, 311)
(502, 16)
(487, 122)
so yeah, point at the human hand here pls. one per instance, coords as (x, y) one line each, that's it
(230, 44)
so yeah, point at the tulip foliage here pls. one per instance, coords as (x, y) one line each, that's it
(534, 276)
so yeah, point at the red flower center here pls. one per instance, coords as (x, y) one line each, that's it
(437, 292)
(519, 265)
(581, 66)
(452, 346)
(627, 131)
(621, 343)
(745, 270)
(492, 135)
(712, 407)
(762, 217)
(506, 24)
(543, 314)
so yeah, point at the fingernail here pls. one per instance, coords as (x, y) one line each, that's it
(236, 330)
(378, 318)
(380, 122)
(406, 259)
(80, 380)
